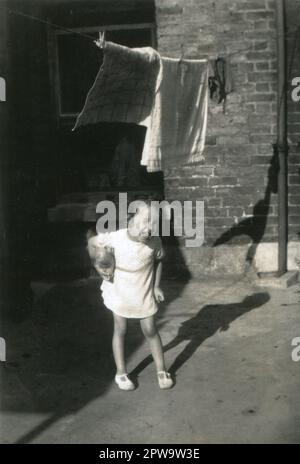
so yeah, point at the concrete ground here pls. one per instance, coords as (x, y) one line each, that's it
(227, 341)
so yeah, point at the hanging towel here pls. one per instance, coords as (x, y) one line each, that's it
(168, 96)
(124, 88)
(176, 127)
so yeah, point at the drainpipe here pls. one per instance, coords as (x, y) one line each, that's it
(281, 145)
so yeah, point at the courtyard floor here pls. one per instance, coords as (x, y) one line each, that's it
(227, 342)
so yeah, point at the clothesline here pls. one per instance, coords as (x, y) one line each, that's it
(293, 33)
(48, 23)
(190, 85)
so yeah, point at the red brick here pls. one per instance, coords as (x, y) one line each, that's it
(219, 222)
(250, 6)
(215, 212)
(294, 210)
(222, 181)
(261, 97)
(262, 66)
(294, 231)
(267, 138)
(294, 199)
(264, 87)
(294, 189)
(258, 15)
(294, 220)
(294, 180)
(214, 202)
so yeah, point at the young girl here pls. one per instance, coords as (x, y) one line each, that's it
(131, 288)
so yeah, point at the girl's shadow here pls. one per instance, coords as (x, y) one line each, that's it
(206, 323)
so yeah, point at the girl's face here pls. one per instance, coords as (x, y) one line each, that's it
(142, 225)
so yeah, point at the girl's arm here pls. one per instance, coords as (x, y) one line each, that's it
(158, 273)
(159, 294)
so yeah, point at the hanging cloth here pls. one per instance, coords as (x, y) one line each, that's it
(168, 96)
(177, 125)
(220, 80)
(124, 88)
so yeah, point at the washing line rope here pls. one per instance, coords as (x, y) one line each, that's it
(292, 33)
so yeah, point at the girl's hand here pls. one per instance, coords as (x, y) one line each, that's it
(159, 294)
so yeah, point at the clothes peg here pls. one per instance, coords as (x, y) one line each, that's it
(100, 42)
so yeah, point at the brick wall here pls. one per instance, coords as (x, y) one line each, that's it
(235, 178)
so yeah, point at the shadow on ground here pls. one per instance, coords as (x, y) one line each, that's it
(60, 357)
(205, 324)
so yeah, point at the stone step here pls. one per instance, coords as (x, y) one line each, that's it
(73, 212)
(87, 197)
(272, 280)
(68, 235)
(81, 207)
(95, 197)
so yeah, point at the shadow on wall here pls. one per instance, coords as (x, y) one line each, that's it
(255, 225)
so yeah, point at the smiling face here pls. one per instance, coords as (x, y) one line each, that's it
(141, 225)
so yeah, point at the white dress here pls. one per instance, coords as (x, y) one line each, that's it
(131, 293)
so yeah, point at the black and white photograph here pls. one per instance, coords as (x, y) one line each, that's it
(149, 225)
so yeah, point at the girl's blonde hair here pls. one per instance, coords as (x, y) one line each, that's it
(146, 203)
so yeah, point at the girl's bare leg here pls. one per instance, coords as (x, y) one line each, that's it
(151, 333)
(118, 343)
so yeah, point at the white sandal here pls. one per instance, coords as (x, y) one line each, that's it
(123, 382)
(164, 380)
